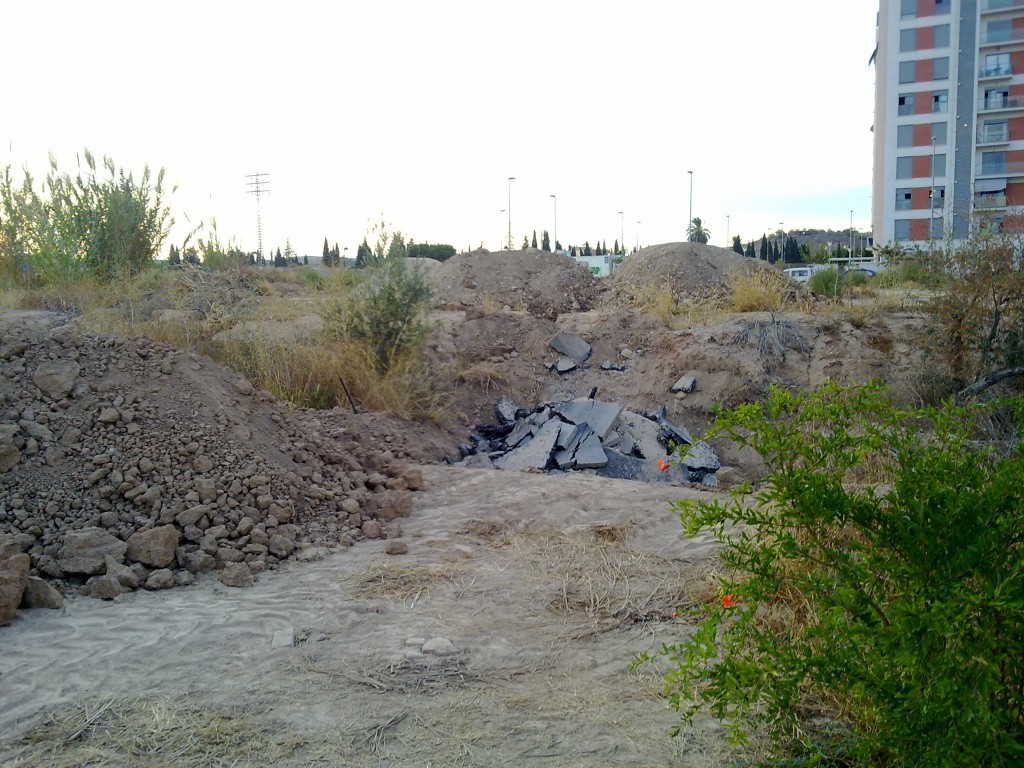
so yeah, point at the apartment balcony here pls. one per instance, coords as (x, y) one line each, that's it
(997, 72)
(991, 6)
(1003, 37)
(1015, 168)
(1000, 102)
(989, 202)
(999, 134)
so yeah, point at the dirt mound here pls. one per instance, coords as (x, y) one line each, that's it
(691, 270)
(537, 282)
(130, 436)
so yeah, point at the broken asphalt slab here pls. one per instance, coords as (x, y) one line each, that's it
(571, 346)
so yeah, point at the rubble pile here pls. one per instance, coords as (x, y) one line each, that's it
(127, 464)
(588, 434)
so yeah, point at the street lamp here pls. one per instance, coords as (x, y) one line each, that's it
(500, 239)
(554, 246)
(638, 234)
(622, 233)
(689, 221)
(510, 180)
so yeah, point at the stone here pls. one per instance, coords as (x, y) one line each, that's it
(192, 515)
(478, 461)
(154, 547)
(565, 364)
(571, 346)
(125, 575)
(280, 547)
(413, 478)
(393, 504)
(644, 433)
(104, 587)
(39, 593)
(702, 456)
(599, 415)
(534, 454)
(439, 646)
(108, 416)
(372, 529)
(162, 578)
(506, 409)
(56, 378)
(608, 365)
(236, 575)
(395, 547)
(283, 638)
(685, 384)
(199, 562)
(84, 551)
(14, 568)
(589, 454)
(10, 453)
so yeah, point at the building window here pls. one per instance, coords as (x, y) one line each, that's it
(998, 31)
(940, 101)
(906, 104)
(938, 195)
(994, 130)
(939, 134)
(939, 165)
(908, 9)
(941, 7)
(908, 40)
(903, 199)
(997, 64)
(942, 36)
(993, 163)
(907, 69)
(905, 136)
(904, 167)
(901, 231)
(940, 68)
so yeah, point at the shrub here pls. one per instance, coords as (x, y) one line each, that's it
(385, 313)
(899, 606)
(826, 282)
(758, 290)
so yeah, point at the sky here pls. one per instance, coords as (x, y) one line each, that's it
(416, 113)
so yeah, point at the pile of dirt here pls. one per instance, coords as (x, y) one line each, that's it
(693, 271)
(537, 282)
(180, 462)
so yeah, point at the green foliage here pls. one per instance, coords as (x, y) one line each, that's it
(100, 223)
(737, 244)
(826, 282)
(438, 252)
(900, 603)
(385, 313)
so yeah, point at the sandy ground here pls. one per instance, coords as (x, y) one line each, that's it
(545, 586)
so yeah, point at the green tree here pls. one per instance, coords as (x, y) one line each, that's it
(545, 241)
(174, 255)
(764, 247)
(586, 249)
(558, 246)
(191, 256)
(697, 232)
(791, 250)
(305, 259)
(533, 243)
(279, 259)
(750, 252)
(737, 244)
(326, 259)
(364, 255)
(615, 248)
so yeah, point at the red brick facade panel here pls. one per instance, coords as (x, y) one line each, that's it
(925, 38)
(919, 198)
(919, 229)
(923, 135)
(1015, 195)
(921, 166)
(923, 70)
(1016, 125)
(1017, 61)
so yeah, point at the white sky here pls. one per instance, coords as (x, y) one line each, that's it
(420, 111)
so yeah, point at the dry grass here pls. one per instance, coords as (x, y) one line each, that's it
(773, 338)
(150, 734)
(759, 290)
(403, 582)
(485, 377)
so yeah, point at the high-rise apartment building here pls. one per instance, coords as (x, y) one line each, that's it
(949, 118)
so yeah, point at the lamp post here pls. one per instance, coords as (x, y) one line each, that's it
(500, 244)
(931, 204)
(554, 245)
(638, 235)
(622, 232)
(689, 221)
(509, 209)
(851, 234)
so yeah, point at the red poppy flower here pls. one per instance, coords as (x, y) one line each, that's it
(663, 465)
(727, 600)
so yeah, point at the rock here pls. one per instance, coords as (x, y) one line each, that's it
(623, 467)
(236, 575)
(478, 461)
(10, 453)
(506, 409)
(199, 562)
(105, 587)
(14, 568)
(702, 457)
(534, 454)
(280, 547)
(84, 550)
(584, 452)
(39, 593)
(56, 378)
(160, 579)
(565, 364)
(413, 479)
(283, 638)
(608, 365)
(372, 529)
(192, 515)
(395, 547)
(599, 415)
(108, 416)
(571, 346)
(154, 547)
(439, 646)
(645, 435)
(125, 575)
(685, 384)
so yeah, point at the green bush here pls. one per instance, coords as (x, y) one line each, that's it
(826, 282)
(385, 313)
(93, 224)
(899, 605)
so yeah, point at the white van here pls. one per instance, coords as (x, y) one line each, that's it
(800, 274)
